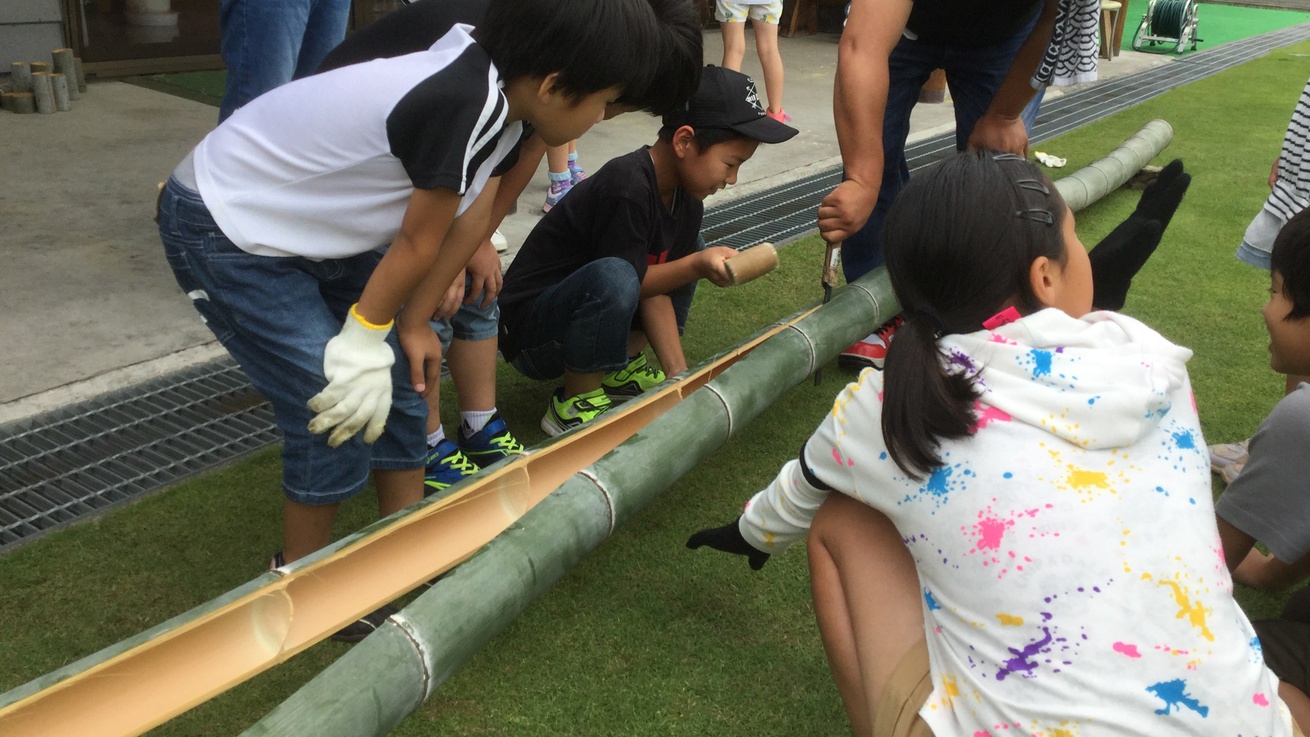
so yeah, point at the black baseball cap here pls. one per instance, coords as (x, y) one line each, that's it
(727, 99)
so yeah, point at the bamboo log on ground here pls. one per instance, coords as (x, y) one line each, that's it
(43, 91)
(65, 65)
(59, 86)
(20, 102)
(546, 519)
(20, 74)
(1108, 173)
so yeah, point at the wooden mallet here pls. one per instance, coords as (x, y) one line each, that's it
(751, 263)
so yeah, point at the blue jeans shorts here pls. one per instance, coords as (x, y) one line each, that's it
(472, 322)
(275, 316)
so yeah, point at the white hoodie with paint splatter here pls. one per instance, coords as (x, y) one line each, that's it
(1073, 580)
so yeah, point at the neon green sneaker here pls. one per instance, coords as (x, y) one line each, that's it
(638, 377)
(565, 414)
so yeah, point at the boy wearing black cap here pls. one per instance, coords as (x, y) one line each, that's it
(612, 268)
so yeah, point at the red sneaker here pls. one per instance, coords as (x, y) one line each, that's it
(872, 351)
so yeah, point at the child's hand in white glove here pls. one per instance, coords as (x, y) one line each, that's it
(357, 364)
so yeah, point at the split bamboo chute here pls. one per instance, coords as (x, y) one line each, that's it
(532, 518)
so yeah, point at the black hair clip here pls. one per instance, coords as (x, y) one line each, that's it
(1036, 214)
(1033, 185)
(938, 329)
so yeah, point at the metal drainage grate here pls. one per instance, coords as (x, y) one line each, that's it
(81, 460)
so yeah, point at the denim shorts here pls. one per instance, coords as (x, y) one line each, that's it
(275, 316)
(472, 322)
(1258, 242)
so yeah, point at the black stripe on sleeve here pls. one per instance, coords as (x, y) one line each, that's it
(808, 473)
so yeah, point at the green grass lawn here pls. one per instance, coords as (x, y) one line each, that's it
(646, 637)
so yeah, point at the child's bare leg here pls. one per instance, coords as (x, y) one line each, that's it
(557, 158)
(305, 528)
(766, 45)
(734, 44)
(636, 342)
(398, 489)
(1297, 703)
(1261, 571)
(473, 369)
(576, 383)
(866, 600)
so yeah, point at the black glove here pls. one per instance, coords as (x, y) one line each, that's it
(1122, 253)
(728, 539)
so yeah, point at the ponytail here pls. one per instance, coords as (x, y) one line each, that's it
(959, 242)
(922, 401)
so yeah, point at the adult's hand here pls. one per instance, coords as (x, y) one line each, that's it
(1000, 133)
(845, 210)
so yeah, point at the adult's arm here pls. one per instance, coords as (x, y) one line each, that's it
(1001, 127)
(859, 102)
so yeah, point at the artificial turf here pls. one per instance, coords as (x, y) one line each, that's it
(1216, 24)
(644, 636)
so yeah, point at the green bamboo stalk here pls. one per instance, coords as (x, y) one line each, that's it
(1106, 174)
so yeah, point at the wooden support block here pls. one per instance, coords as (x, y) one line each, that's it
(59, 86)
(21, 73)
(751, 263)
(64, 64)
(20, 102)
(81, 75)
(43, 92)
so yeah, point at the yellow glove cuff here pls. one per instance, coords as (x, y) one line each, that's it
(360, 319)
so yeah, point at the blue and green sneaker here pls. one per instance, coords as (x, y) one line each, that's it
(446, 465)
(492, 443)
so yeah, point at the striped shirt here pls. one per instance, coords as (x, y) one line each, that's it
(1291, 192)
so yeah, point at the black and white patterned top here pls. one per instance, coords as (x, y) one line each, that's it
(1071, 57)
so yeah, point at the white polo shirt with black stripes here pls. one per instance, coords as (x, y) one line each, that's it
(323, 167)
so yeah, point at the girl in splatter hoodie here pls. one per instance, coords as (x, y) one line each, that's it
(1023, 539)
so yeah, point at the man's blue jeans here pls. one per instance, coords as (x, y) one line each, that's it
(973, 75)
(267, 43)
(580, 324)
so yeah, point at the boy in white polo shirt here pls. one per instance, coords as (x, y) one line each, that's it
(273, 226)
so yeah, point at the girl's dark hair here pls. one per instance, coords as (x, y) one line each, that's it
(593, 44)
(1291, 260)
(679, 62)
(959, 243)
(703, 137)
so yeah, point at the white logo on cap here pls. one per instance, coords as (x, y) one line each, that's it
(753, 97)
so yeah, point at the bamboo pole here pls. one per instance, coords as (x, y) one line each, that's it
(43, 92)
(59, 87)
(20, 73)
(64, 64)
(131, 686)
(1108, 173)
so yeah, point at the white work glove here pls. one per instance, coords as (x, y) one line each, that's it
(357, 364)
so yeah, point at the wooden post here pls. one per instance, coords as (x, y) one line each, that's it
(44, 93)
(59, 86)
(20, 102)
(21, 72)
(64, 64)
(81, 75)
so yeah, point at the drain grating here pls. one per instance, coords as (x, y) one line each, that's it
(81, 460)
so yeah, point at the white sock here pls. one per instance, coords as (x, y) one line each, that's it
(435, 438)
(475, 421)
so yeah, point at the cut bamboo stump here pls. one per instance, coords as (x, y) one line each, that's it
(20, 102)
(59, 86)
(65, 64)
(40, 66)
(21, 73)
(81, 75)
(43, 91)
